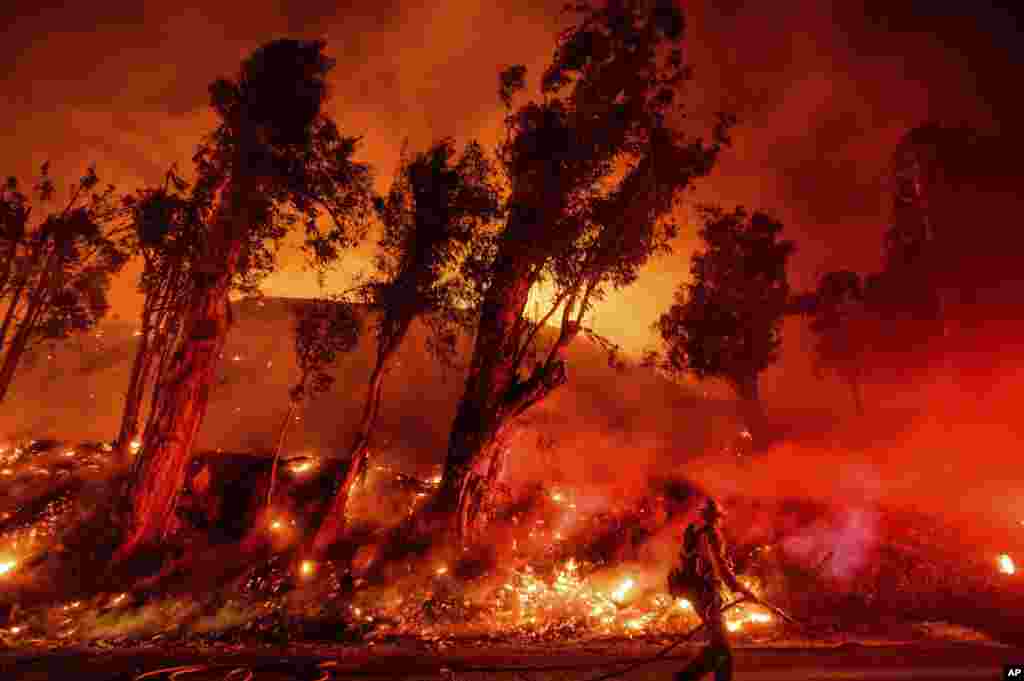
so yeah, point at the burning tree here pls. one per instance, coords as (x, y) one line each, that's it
(727, 324)
(433, 219)
(171, 222)
(594, 171)
(841, 322)
(281, 158)
(165, 225)
(324, 329)
(55, 273)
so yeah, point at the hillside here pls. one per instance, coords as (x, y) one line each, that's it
(77, 392)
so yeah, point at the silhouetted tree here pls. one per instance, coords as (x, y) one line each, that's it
(433, 216)
(171, 222)
(324, 329)
(282, 160)
(839, 321)
(166, 241)
(55, 273)
(925, 255)
(594, 173)
(727, 323)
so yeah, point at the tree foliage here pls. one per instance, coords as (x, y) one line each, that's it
(594, 172)
(727, 323)
(282, 162)
(435, 215)
(55, 271)
(324, 329)
(841, 323)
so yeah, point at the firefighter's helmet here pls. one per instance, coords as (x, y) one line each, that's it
(712, 511)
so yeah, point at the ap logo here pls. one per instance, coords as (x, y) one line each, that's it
(1013, 671)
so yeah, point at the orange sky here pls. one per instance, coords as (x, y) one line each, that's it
(823, 94)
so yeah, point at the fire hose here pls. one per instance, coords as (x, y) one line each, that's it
(690, 634)
(664, 652)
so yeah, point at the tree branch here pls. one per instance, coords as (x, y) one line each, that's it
(533, 332)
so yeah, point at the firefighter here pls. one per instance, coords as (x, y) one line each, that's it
(702, 577)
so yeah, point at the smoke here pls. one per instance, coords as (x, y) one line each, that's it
(823, 89)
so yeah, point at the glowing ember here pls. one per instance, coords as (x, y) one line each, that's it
(307, 568)
(276, 525)
(7, 566)
(120, 598)
(135, 446)
(15, 630)
(302, 466)
(1006, 565)
(684, 604)
(443, 570)
(620, 593)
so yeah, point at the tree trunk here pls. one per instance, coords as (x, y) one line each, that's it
(37, 300)
(8, 266)
(752, 411)
(161, 468)
(332, 529)
(858, 398)
(133, 397)
(12, 309)
(495, 396)
(281, 434)
(19, 291)
(158, 306)
(480, 413)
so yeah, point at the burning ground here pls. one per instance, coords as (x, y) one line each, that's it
(578, 548)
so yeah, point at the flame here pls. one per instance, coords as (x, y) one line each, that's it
(7, 566)
(443, 570)
(620, 593)
(1006, 565)
(136, 445)
(307, 568)
(302, 466)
